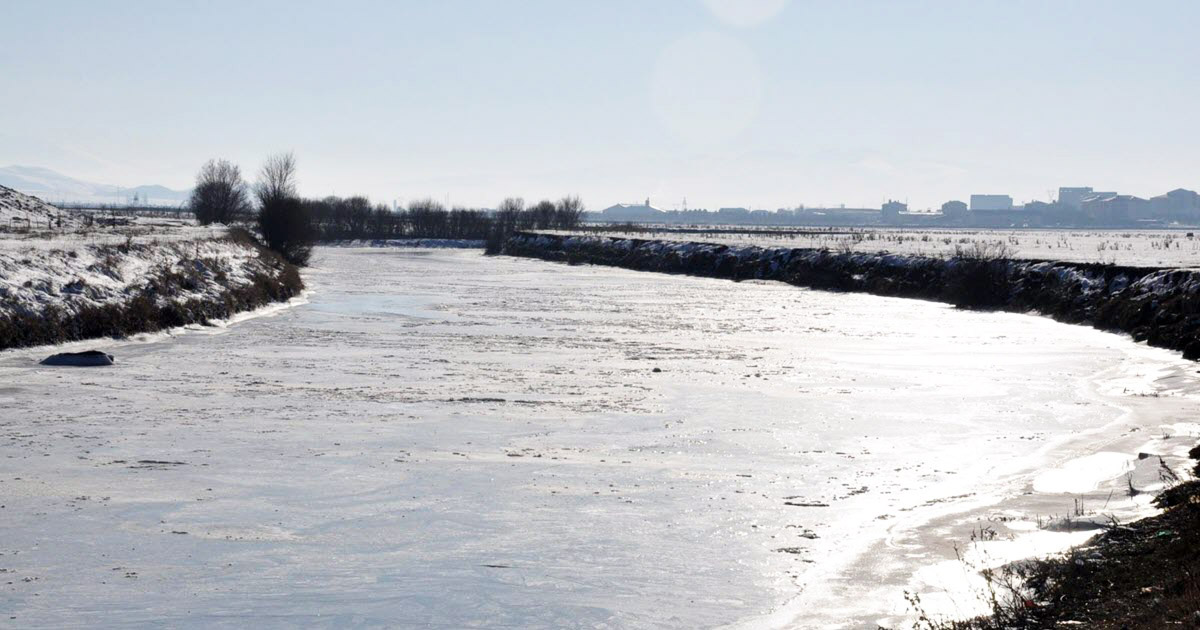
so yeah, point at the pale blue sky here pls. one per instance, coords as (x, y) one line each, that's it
(761, 103)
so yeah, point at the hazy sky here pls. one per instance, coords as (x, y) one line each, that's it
(762, 103)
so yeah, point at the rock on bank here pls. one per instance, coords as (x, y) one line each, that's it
(83, 291)
(1158, 306)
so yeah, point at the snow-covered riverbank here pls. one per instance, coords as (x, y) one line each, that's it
(63, 290)
(443, 439)
(1153, 305)
(65, 277)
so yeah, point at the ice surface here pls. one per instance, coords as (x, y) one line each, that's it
(442, 439)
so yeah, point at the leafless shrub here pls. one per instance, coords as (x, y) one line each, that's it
(984, 251)
(220, 194)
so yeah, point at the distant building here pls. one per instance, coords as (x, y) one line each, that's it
(1114, 209)
(734, 214)
(632, 212)
(1178, 205)
(1073, 197)
(891, 211)
(991, 202)
(955, 210)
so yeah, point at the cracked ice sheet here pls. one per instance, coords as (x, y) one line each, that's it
(443, 439)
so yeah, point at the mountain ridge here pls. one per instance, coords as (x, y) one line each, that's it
(50, 185)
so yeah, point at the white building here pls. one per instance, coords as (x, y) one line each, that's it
(991, 202)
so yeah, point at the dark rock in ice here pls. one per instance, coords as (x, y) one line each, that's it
(91, 358)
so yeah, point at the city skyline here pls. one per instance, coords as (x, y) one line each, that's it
(43, 181)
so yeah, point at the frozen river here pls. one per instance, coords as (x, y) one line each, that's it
(438, 439)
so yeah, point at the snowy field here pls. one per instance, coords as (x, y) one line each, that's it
(140, 230)
(1149, 248)
(438, 439)
(28, 224)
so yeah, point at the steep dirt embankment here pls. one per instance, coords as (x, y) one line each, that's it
(79, 291)
(1158, 306)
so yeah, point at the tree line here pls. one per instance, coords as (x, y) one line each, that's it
(338, 218)
(291, 225)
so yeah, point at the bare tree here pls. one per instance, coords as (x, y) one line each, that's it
(568, 212)
(426, 218)
(543, 214)
(277, 178)
(284, 220)
(508, 215)
(220, 195)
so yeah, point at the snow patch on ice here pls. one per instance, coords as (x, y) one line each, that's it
(957, 589)
(1190, 429)
(1084, 474)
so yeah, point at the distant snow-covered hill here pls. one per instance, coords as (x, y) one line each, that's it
(54, 186)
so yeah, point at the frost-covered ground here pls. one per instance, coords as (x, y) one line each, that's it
(439, 439)
(30, 226)
(139, 230)
(1150, 248)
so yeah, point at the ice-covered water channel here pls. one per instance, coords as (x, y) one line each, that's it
(439, 439)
